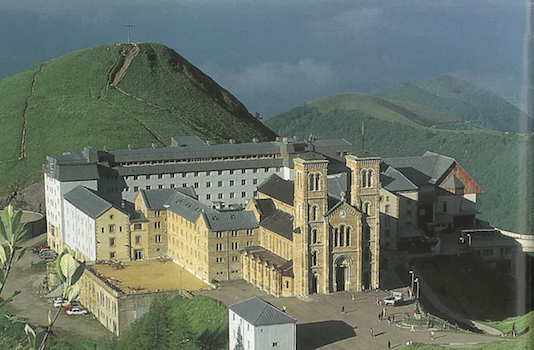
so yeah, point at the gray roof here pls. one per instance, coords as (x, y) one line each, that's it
(230, 220)
(186, 207)
(183, 141)
(276, 187)
(74, 172)
(87, 201)
(265, 207)
(394, 181)
(425, 169)
(280, 223)
(157, 199)
(310, 155)
(453, 182)
(260, 313)
(336, 185)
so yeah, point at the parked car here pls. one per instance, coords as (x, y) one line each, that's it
(59, 302)
(76, 311)
(46, 256)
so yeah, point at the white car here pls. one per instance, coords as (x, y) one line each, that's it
(76, 311)
(58, 302)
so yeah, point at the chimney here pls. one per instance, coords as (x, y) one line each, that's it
(208, 142)
(255, 140)
(232, 141)
(129, 146)
(123, 204)
(153, 145)
(278, 138)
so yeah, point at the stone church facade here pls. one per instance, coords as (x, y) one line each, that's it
(311, 242)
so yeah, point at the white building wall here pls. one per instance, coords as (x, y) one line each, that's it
(247, 331)
(276, 337)
(79, 231)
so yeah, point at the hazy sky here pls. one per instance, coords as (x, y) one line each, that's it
(276, 54)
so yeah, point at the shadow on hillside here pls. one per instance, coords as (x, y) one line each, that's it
(318, 334)
(213, 340)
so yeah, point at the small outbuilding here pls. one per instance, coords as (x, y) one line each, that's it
(257, 325)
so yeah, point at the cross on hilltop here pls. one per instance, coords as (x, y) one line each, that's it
(129, 26)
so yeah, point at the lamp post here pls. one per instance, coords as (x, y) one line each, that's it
(412, 274)
(468, 239)
(418, 287)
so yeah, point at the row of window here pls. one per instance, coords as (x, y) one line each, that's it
(193, 174)
(220, 234)
(235, 258)
(199, 160)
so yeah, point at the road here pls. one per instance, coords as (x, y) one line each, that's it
(35, 307)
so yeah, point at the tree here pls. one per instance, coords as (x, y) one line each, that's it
(239, 342)
(11, 233)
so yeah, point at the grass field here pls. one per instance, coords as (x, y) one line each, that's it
(73, 106)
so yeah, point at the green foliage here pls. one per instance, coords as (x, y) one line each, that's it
(11, 233)
(501, 163)
(180, 323)
(239, 341)
(462, 100)
(73, 106)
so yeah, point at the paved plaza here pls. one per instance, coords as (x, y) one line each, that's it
(322, 326)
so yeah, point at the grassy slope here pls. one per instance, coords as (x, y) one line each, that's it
(460, 99)
(72, 108)
(492, 158)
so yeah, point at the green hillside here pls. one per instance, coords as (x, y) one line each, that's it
(501, 163)
(68, 103)
(462, 100)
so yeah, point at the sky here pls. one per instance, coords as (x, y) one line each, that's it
(274, 55)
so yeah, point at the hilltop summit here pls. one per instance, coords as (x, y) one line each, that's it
(113, 95)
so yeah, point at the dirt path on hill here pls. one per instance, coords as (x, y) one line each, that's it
(22, 153)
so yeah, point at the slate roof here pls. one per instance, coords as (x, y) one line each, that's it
(186, 207)
(276, 187)
(421, 170)
(75, 172)
(279, 222)
(260, 313)
(87, 201)
(310, 155)
(265, 207)
(453, 183)
(156, 199)
(230, 220)
(336, 185)
(395, 181)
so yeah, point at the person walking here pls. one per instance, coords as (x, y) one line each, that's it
(342, 309)
(393, 318)
(371, 332)
(389, 344)
(432, 335)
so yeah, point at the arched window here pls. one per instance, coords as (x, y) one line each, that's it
(364, 178)
(367, 208)
(314, 211)
(311, 182)
(314, 236)
(299, 180)
(317, 182)
(314, 258)
(370, 178)
(347, 237)
(334, 234)
(341, 236)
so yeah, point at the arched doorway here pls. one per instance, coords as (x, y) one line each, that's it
(342, 274)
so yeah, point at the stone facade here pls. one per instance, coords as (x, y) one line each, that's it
(325, 245)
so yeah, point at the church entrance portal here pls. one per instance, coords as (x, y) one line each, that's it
(342, 275)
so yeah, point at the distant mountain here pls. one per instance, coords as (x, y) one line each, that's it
(112, 95)
(462, 100)
(502, 163)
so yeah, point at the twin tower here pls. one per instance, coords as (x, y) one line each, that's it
(336, 243)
